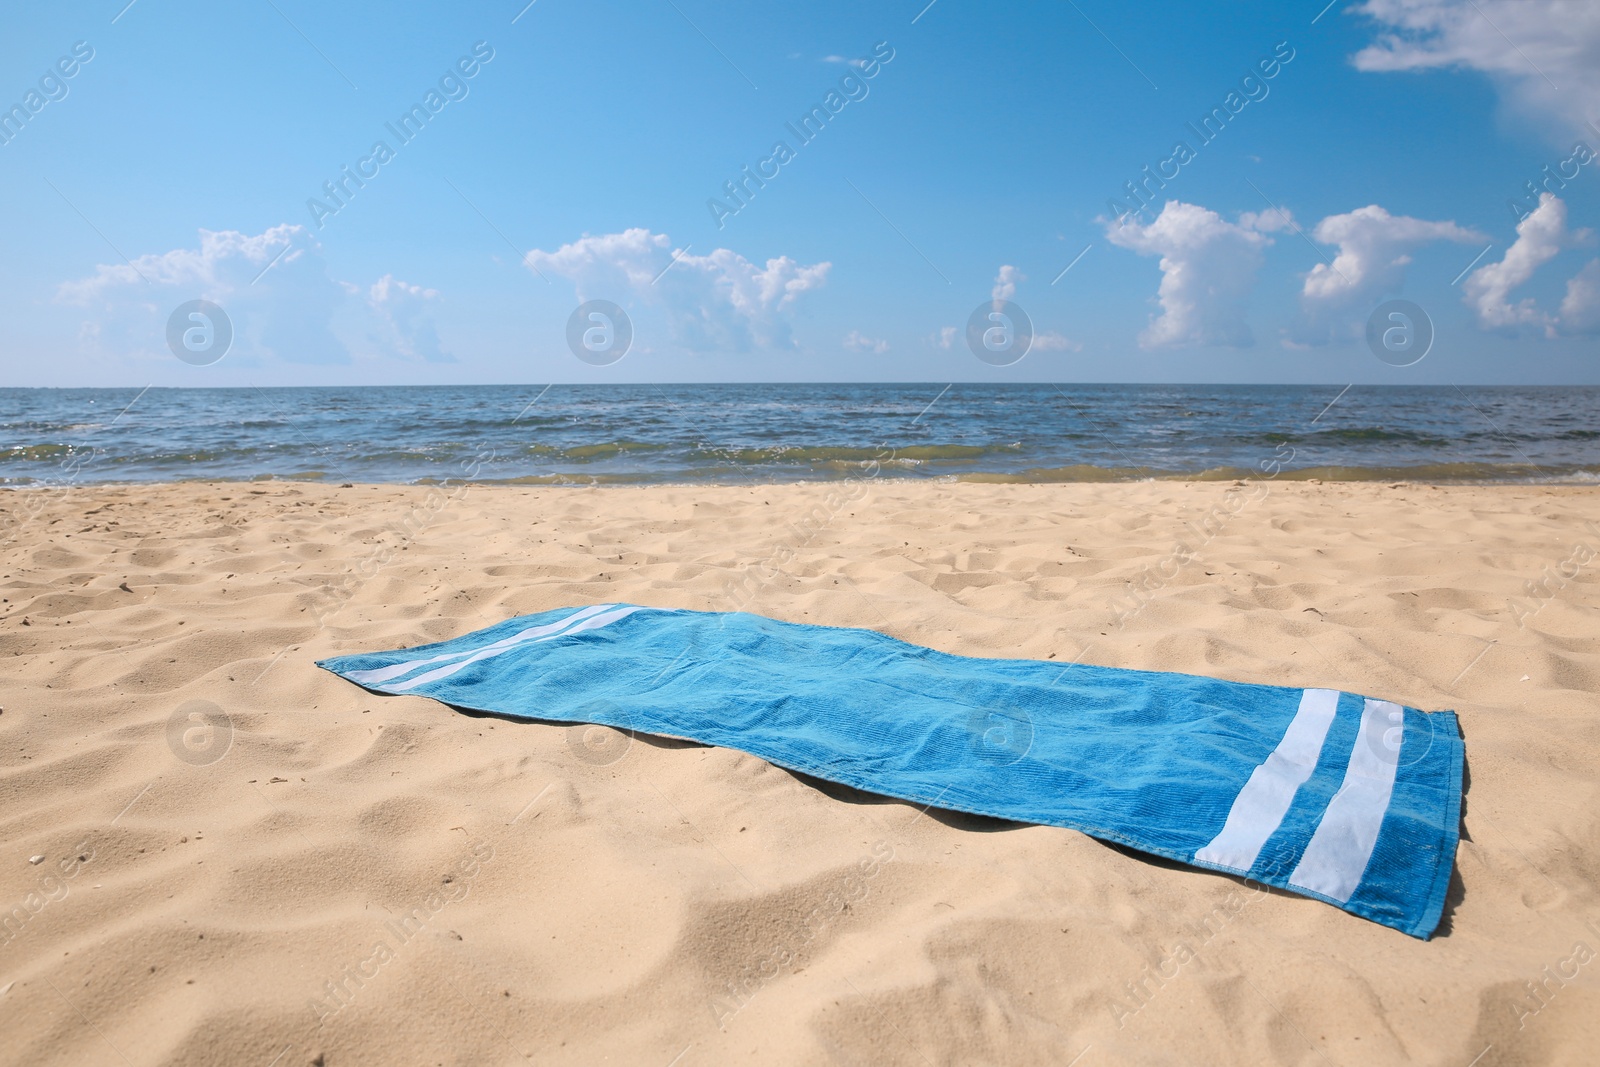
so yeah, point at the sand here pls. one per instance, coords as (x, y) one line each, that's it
(314, 874)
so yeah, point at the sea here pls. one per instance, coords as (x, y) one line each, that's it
(751, 433)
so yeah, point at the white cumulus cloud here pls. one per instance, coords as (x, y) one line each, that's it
(1374, 248)
(719, 301)
(1580, 310)
(1272, 220)
(1487, 290)
(1208, 267)
(1005, 283)
(274, 287)
(1543, 55)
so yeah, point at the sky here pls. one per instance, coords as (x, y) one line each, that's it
(1081, 191)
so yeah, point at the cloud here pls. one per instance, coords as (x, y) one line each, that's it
(1050, 341)
(1005, 283)
(1272, 220)
(1528, 48)
(719, 301)
(274, 286)
(1208, 267)
(856, 341)
(216, 267)
(1374, 248)
(408, 328)
(945, 337)
(1487, 290)
(1540, 237)
(1580, 311)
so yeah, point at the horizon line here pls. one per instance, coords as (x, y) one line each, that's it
(916, 382)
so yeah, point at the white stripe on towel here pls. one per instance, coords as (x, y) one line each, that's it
(1259, 808)
(383, 674)
(1337, 856)
(437, 673)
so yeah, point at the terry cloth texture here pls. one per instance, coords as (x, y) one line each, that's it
(1349, 799)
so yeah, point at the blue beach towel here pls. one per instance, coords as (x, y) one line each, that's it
(1351, 800)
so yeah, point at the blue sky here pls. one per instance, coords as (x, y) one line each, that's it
(970, 153)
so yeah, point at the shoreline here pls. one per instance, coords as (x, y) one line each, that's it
(1086, 475)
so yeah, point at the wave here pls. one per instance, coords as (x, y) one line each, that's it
(798, 433)
(824, 454)
(1432, 473)
(38, 453)
(1355, 435)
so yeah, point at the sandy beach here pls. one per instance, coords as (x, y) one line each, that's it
(216, 853)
